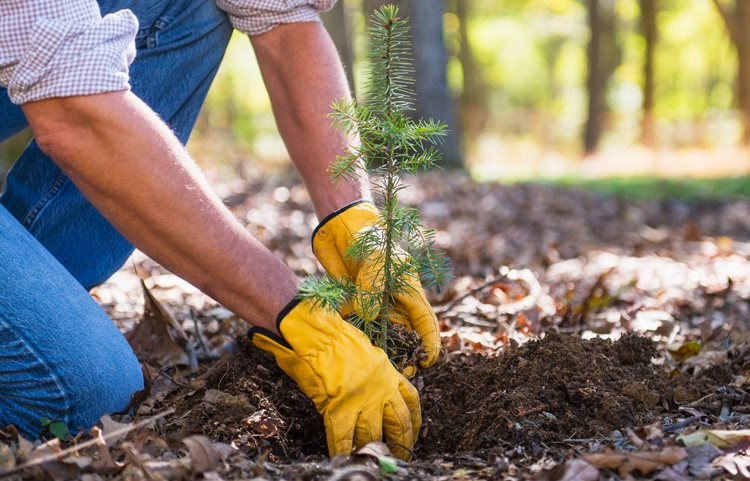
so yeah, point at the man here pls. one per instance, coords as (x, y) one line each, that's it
(105, 172)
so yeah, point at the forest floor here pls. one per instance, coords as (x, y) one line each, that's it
(585, 337)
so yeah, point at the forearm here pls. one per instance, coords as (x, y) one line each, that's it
(135, 172)
(304, 76)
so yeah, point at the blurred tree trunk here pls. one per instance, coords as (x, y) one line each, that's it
(648, 27)
(338, 22)
(736, 15)
(473, 96)
(602, 60)
(430, 69)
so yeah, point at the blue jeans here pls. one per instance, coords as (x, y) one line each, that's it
(60, 356)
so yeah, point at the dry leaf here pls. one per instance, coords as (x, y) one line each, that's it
(654, 432)
(80, 461)
(681, 352)
(212, 396)
(670, 474)
(717, 437)
(574, 470)
(264, 423)
(735, 464)
(108, 427)
(605, 460)
(579, 470)
(375, 449)
(203, 457)
(159, 338)
(700, 460)
(641, 462)
(25, 448)
(50, 448)
(105, 464)
(7, 459)
(54, 469)
(705, 360)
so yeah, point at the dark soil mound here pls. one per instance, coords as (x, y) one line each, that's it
(555, 389)
(247, 400)
(546, 391)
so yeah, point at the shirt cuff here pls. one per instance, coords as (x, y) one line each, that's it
(261, 16)
(66, 59)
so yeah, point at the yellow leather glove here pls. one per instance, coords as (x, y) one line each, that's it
(332, 238)
(353, 385)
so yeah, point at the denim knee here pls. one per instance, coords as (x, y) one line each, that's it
(60, 355)
(75, 390)
(102, 390)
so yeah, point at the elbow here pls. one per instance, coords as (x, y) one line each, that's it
(65, 145)
(64, 127)
(57, 142)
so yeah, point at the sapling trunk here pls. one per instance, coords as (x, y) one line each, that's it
(390, 145)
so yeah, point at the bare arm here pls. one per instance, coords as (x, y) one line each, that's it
(304, 76)
(135, 172)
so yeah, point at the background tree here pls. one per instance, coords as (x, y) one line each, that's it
(649, 31)
(473, 101)
(602, 60)
(338, 22)
(434, 99)
(736, 15)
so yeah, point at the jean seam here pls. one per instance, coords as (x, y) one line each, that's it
(152, 39)
(50, 372)
(37, 209)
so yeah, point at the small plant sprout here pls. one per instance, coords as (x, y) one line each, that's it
(391, 144)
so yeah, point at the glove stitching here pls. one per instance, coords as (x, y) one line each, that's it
(335, 213)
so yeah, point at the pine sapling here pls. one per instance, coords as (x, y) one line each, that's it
(391, 144)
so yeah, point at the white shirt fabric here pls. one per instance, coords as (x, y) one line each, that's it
(53, 48)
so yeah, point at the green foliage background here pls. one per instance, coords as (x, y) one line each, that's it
(531, 57)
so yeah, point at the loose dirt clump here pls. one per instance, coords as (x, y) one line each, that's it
(547, 391)
(557, 390)
(248, 401)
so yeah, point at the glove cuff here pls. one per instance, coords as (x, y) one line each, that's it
(280, 317)
(336, 213)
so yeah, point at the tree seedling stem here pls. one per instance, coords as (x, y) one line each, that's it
(391, 144)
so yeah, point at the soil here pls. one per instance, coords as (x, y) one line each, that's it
(547, 391)
(247, 400)
(560, 389)
(531, 262)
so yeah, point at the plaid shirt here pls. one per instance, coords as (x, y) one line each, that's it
(53, 48)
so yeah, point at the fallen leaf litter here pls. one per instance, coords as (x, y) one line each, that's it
(527, 259)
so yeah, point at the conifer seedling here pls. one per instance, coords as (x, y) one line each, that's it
(391, 144)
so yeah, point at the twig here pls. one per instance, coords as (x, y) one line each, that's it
(582, 440)
(682, 424)
(132, 455)
(169, 378)
(470, 293)
(85, 444)
(696, 402)
(198, 332)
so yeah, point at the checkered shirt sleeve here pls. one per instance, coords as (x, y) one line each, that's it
(53, 48)
(254, 17)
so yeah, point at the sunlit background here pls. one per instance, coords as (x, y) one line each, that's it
(518, 75)
(522, 95)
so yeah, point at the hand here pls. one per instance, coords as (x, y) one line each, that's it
(353, 385)
(331, 240)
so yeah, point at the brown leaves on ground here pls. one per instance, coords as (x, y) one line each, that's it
(638, 462)
(158, 338)
(526, 258)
